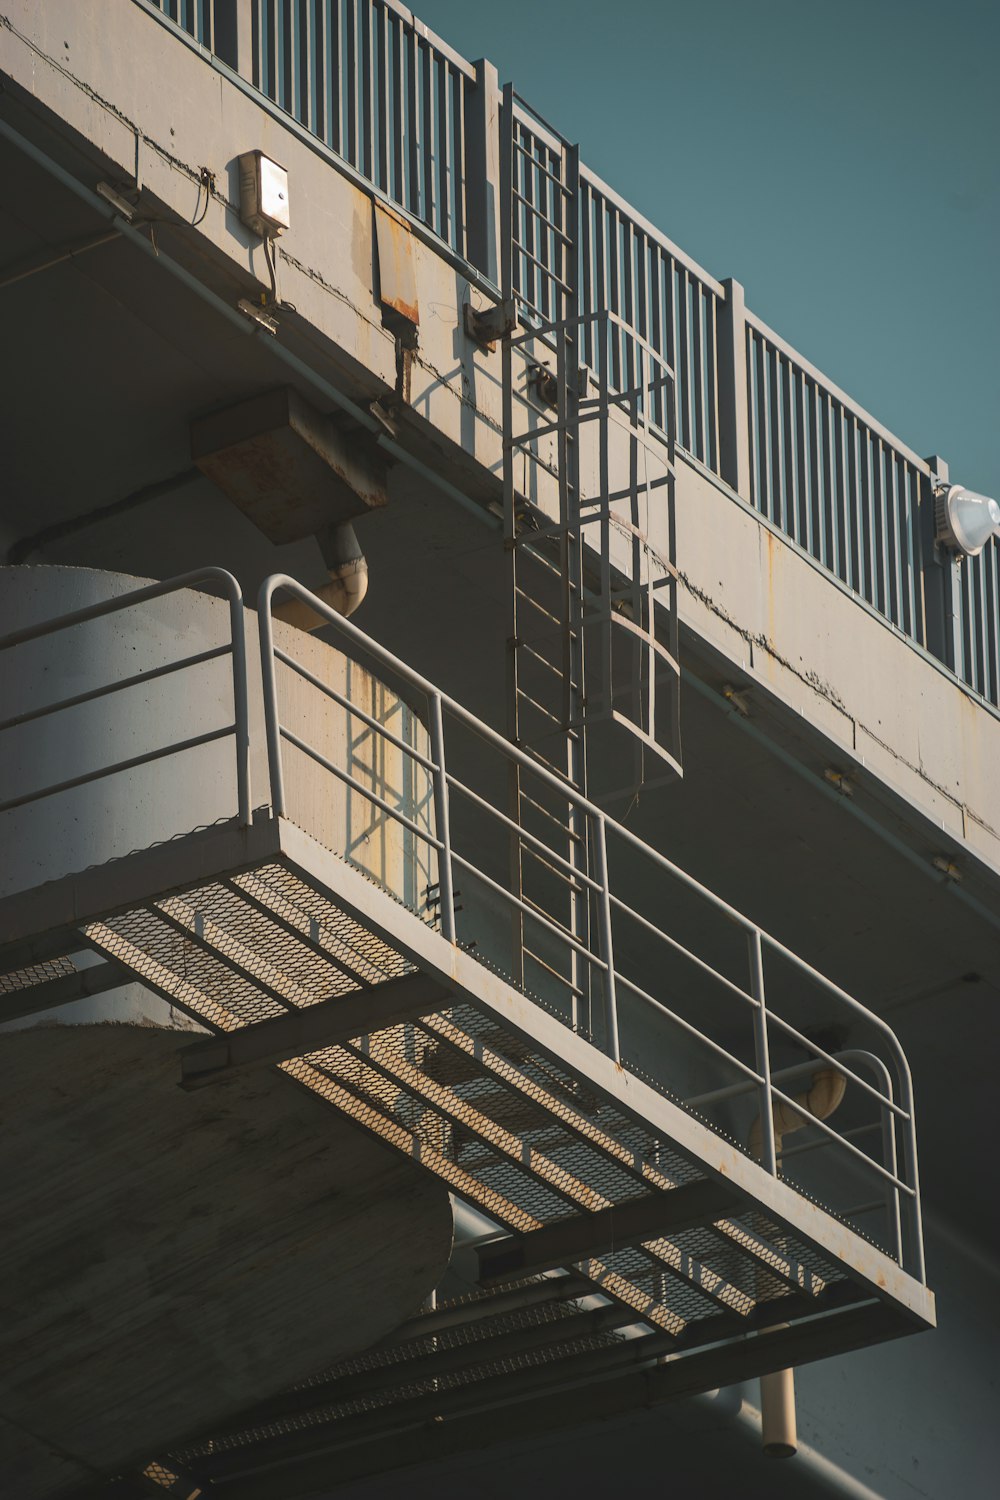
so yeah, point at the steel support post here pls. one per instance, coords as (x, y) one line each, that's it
(600, 851)
(446, 890)
(734, 434)
(482, 157)
(762, 1061)
(265, 626)
(942, 579)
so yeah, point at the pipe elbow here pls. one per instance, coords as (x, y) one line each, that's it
(828, 1089)
(817, 1103)
(345, 592)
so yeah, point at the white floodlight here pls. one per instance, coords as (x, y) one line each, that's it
(964, 520)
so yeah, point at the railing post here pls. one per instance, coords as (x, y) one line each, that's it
(442, 820)
(232, 40)
(890, 1157)
(482, 171)
(734, 433)
(942, 580)
(241, 708)
(272, 726)
(768, 1158)
(599, 834)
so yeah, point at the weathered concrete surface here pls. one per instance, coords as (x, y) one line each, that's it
(809, 644)
(814, 652)
(168, 1258)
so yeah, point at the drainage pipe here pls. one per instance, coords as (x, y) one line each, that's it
(348, 583)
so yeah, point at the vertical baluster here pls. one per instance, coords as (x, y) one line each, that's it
(852, 536)
(753, 417)
(413, 120)
(442, 819)
(817, 507)
(458, 157)
(897, 600)
(993, 617)
(432, 214)
(806, 534)
(683, 366)
(443, 141)
(764, 425)
(697, 371)
(712, 375)
(335, 74)
(775, 382)
(349, 77)
(586, 273)
(762, 1060)
(607, 951)
(790, 445)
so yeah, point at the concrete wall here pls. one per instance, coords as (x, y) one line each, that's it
(748, 594)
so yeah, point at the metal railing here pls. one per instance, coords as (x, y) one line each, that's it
(835, 481)
(196, 17)
(648, 998)
(235, 648)
(629, 268)
(410, 116)
(380, 90)
(977, 610)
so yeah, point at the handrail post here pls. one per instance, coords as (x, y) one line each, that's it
(768, 1158)
(268, 676)
(446, 890)
(482, 171)
(889, 1156)
(919, 1269)
(607, 950)
(241, 711)
(734, 430)
(942, 581)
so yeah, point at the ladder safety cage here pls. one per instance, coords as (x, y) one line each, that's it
(569, 368)
(588, 470)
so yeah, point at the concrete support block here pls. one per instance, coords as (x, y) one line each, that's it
(482, 158)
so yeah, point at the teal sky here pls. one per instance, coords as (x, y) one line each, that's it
(841, 158)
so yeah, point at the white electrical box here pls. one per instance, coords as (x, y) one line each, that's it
(263, 194)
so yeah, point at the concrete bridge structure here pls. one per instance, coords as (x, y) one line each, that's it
(469, 354)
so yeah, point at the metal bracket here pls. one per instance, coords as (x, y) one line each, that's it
(486, 325)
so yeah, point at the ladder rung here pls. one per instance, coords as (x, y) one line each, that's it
(566, 983)
(576, 838)
(569, 882)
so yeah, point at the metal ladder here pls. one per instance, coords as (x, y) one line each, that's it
(585, 664)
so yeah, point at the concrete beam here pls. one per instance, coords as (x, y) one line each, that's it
(63, 990)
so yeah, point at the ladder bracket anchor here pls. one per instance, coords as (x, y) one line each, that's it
(486, 325)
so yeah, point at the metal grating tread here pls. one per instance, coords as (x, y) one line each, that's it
(535, 1136)
(502, 1124)
(38, 973)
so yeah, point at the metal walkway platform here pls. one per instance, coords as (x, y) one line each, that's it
(636, 1235)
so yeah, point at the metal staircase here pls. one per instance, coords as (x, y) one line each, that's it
(637, 1238)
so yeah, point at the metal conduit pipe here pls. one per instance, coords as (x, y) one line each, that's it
(778, 1432)
(348, 584)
